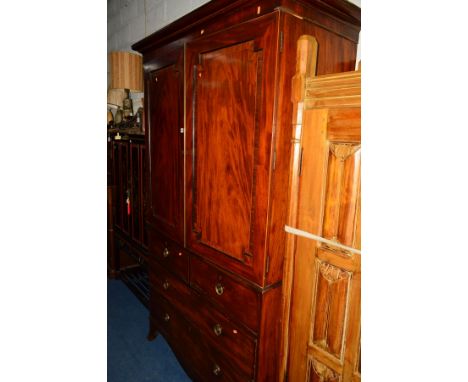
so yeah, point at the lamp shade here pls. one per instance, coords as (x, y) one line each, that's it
(126, 71)
(115, 97)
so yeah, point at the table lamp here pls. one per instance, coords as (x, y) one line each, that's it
(126, 71)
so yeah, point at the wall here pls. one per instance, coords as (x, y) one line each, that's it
(128, 21)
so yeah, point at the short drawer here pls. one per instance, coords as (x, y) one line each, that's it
(225, 336)
(190, 346)
(167, 284)
(170, 255)
(238, 300)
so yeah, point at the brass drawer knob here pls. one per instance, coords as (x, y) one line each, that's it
(165, 252)
(219, 289)
(166, 285)
(166, 317)
(217, 329)
(216, 370)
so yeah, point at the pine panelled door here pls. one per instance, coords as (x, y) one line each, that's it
(322, 284)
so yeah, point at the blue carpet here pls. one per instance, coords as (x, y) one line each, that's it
(130, 356)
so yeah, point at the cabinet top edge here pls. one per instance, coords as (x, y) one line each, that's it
(341, 10)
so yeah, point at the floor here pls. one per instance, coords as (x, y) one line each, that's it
(130, 356)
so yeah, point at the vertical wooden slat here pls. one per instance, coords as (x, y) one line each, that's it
(309, 219)
(306, 65)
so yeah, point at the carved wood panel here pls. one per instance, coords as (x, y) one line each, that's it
(341, 200)
(325, 301)
(331, 299)
(318, 372)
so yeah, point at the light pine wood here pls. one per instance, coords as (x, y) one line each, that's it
(322, 282)
(306, 63)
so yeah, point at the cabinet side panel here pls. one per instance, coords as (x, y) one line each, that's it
(268, 355)
(335, 54)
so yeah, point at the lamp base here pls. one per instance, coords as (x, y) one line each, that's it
(127, 108)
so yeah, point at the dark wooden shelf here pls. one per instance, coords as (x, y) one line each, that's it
(136, 279)
(131, 131)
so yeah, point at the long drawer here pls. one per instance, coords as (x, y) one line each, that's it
(226, 336)
(195, 353)
(240, 301)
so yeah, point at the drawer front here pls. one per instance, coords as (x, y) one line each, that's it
(170, 255)
(168, 285)
(201, 360)
(239, 301)
(227, 336)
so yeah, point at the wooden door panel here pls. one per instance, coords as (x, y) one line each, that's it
(135, 206)
(122, 184)
(117, 183)
(324, 305)
(165, 150)
(343, 179)
(143, 194)
(225, 146)
(229, 129)
(125, 183)
(331, 294)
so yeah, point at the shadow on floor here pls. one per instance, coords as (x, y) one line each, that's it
(130, 356)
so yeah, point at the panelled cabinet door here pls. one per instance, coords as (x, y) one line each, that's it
(163, 89)
(230, 96)
(325, 302)
(122, 185)
(143, 193)
(135, 201)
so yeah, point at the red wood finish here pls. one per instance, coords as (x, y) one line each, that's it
(220, 331)
(135, 194)
(111, 255)
(127, 177)
(240, 301)
(224, 146)
(218, 193)
(170, 255)
(270, 327)
(167, 284)
(226, 336)
(121, 184)
(165, 145)
(228, 156)
(144, 193)
(221, 14)
(206, 363)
